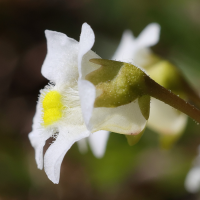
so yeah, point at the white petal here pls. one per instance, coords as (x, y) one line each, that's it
(82, 145)
(61, 61)
(87, 91)
(192, 182)
(86, 66)
(129, 46)
(149, 36)
(38, 136)
(38, 139)
(165, 119)
(126, 119)
(144, 58)
(87, 94)
(56, 152)
(126, 49)
(85, 44)
(98, 141)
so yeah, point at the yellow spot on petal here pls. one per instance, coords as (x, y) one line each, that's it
(52, 107)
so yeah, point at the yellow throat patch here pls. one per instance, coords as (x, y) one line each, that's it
(52, 107)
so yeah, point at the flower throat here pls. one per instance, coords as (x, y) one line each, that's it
(52, 107)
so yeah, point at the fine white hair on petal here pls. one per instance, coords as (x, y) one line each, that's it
(149, 36)
(55, 153)
(60, 64)
(192, 181)
(98, 141)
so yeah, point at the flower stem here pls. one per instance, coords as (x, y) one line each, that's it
(192, 95)
(157, 91)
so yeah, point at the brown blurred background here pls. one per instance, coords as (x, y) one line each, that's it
(143, 171)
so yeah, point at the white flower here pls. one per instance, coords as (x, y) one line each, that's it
(136, 50)
(192, 181)
(163, 119)
(58, 110)
(97, 142)
(130, 50)
(65, 108)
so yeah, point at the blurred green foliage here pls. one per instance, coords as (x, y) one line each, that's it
(143, 171)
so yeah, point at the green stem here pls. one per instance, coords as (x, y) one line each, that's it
(157, 91)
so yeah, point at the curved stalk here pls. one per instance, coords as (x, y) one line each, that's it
(191, 93)
(157, 91)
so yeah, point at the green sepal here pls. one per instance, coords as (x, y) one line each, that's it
(106, 73)
(117, 83)
(144, 103)
(134, 139)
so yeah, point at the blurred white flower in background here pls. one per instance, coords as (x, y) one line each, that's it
(163, 118)
(97, 142)
(136, 50)
(192, 181)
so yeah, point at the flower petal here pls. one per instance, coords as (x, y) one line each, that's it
(38, 136)
(56, 152)
(87, 94)
(87, 91)
(125, 119)
(149, 36)
(129, 46)
(82, 145)
(165, 119)
(192, 182)
(86, 66)
(60, 64)
(38, 139)
(85, 44)
(126, 49)
(98, 141)
(85, 54)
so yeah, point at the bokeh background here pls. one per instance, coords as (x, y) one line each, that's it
(144, 171)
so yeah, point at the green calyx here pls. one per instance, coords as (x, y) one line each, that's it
(119, 83)
(144, 103)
